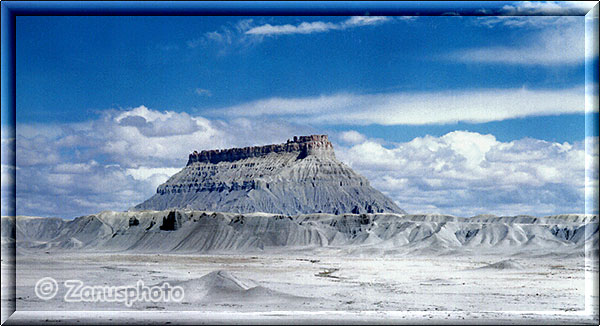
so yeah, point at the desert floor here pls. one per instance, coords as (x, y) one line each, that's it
(302, 287)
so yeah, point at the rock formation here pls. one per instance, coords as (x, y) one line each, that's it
(298, 177)
(382, 234)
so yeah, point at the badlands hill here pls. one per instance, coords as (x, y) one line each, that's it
(188, 231)
(298, 177)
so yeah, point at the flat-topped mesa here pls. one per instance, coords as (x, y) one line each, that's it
(302, 145)
(297, 177)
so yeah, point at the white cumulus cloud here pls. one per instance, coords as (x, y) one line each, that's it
(352, 137)
(466, 173)
(117, 160)
(82, 168)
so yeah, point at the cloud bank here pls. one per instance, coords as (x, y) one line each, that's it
(421, 108)
(466, 173)
(118, 160)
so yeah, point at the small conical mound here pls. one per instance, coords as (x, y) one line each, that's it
(504, 264)
(298, 177)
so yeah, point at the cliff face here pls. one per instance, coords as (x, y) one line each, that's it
(303, 146)
(297, 177)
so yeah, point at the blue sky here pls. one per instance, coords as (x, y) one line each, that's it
(88, 64)
(371, 83)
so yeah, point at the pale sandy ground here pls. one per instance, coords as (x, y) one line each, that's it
(298, 288)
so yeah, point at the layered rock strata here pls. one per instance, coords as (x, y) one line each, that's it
(297, 177)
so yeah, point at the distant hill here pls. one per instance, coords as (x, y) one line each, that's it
(188, 231)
